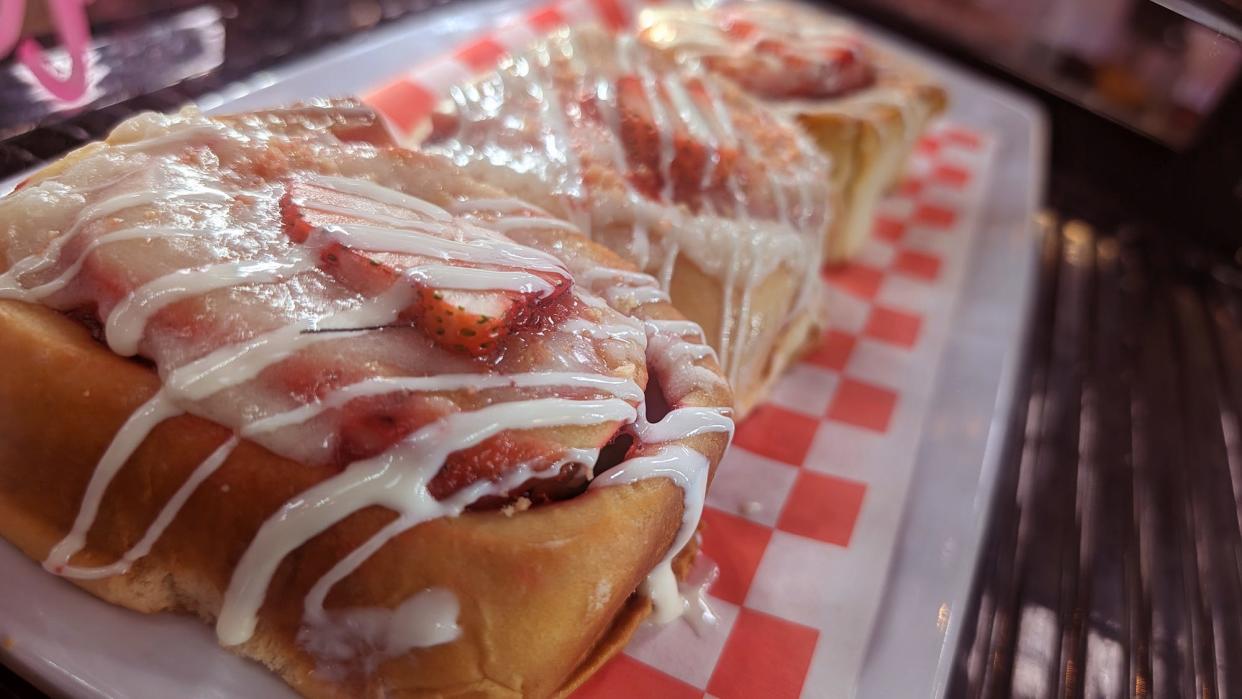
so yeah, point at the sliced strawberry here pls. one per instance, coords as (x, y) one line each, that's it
(307, 205)
(694, 171)
(738, 28)
(370, 426)
(490, 460)
(370, 274)
(309, 377)
(639, 136)
(841, 56)
(443, 125)
(727, 154)
(293, 217)
(470, 322)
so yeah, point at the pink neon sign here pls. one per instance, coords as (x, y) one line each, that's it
(73, 32)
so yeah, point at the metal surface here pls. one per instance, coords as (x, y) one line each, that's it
(1112, 566)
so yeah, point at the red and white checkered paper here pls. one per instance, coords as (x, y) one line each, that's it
(805, 510)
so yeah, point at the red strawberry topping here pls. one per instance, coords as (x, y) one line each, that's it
(491, 459)
(470, 321)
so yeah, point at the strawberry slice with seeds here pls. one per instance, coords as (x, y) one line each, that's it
(471, 322)
(467, 321)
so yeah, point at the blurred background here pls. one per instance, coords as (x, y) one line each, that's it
(1113, 565)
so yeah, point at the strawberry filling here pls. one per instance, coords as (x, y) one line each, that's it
(472, 321)
(696, 171)
(371, 426)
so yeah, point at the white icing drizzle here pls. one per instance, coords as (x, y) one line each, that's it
(419, 513)
(558, 143)
(157, 409)
(427, 618)
(501, 205)
(688, 469)
(236, 364)
(156, 529)
(674, 327)
(179, 137)
(515, 223)
(699, 33)
(431, 241)
(598, 331)
(680, 423)
(479, 279)
(698, 611)
(595, 274)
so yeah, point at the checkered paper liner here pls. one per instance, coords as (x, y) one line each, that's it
(804, 514)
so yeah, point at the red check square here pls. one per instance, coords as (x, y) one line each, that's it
(862, 405)
(961, 137)
(833, 351)
(928, 145)
(403, 102)
(823, 508)
(894, 327)
(483, 54)
(951, 175)
(777, 433)
(910, 187)
(613, 13)
(736, 545)
(546, 20)
(765, 656)
(624, 677)
(917, 264)
(857, 279)
(934, 216)
(888, 229)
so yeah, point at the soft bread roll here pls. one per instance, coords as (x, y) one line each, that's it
(545, 594)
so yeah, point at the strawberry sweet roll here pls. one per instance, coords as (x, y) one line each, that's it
(394, 432)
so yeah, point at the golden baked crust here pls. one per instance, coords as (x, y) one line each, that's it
(546, 594)
(869, 137)
(549, 589)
